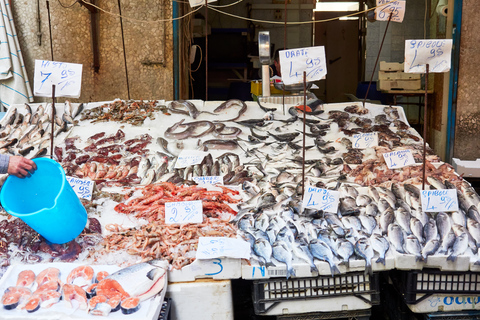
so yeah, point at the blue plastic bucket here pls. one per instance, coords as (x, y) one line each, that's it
(46, 202)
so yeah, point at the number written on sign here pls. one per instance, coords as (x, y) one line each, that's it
(183, 212)
(436, 53)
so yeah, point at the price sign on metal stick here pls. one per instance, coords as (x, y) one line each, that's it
(321, 199)
(294, 62)
(439, 200)
(385, 7)
(183, 212)
(399, 159)
(66, 77)
(436, 53)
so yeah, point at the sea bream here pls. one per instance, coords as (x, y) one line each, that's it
(143, 280)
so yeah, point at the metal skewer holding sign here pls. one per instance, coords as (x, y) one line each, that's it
(424, 56)
(61, 79)
(302, 65)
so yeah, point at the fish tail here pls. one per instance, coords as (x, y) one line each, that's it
(419, 258)
(381, 260)
(452, 257)
(334, 269)
(477, 263)
(313, 268)
(290, 272)
(270, 264)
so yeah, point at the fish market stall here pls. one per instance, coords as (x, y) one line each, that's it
(247, 167)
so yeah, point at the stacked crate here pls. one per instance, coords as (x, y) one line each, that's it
(392, 77)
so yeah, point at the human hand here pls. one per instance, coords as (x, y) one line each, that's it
(20, 166)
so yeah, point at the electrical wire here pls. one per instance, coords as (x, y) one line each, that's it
(232, 15)
(69, 6)
(225, 5)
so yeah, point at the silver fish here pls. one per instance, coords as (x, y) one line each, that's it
(363, 200)
(282, 253)
(345, 251)
(430, 230)
(302, 252)
(365, 250)
(459, 217)
(398, 191)
(444, 224)
(368, 222)
(417, 229)
(395, 235)
(371, 210)
(430, 248)
(434, 182)
(383, 205)
(143, 280)
(402, 217)
(380, 245)
(261, 221)
(143, 167)
(459, 247)
(386, 218)
(321, 251)
(412, 246)
(447, 242)
(474, 230)
(148, 177)
(263, 250)
(373, 192)
(473, 213)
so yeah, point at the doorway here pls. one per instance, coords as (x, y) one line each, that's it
(344, 50)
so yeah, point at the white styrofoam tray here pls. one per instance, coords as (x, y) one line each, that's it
(149, 309)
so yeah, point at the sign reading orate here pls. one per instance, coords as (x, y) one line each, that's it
(67, 78)
(83, 188)
(184, 212)
(385, 7)
(399, 159)
(321, 199)
(213, 180)
(189, 158)
(443, 200)
(436, 53)
(365, 140)
(294, 62)
(217, 247)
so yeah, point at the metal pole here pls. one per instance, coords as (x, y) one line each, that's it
(53, 121)
(425, 129)
(50, 29)
(206, 50)
(304, 117)
(378, 56)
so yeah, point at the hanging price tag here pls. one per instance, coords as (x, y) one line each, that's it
(436, 53)
(67, 78)
(217, 247)
(445, 200)
(294, 62)
(189, 158)
(396, 8)
(213, 180)
(365, 140)
(184, 212)
(399, 159)
(83, 188)
(321, 199)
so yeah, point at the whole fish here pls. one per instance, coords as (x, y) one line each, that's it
(263, 250)
(474, 230)
(143, 280)
(373, 192)
(412, 246)
(430, 230)
(417, 229)
(371, 210)
(229, 104)
(164, 145)
(402, 218)
(301, 251)
(321, 251)
(345, 251)
(459, 217)
(364, 250)
(368, 223)
(282, 253)
(380, 245)
(447, 243)
(395, 235)
(398, 191)
(444, 224)
(459, 247)
(430, 248)
(363, 200)
(386, 218)
(261, 221)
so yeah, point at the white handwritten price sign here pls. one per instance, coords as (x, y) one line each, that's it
(294, 62)
(184, 212)
(399, 159)
(321, 199)
(445, 200)
(189, 158)
(436, 53)
(217, 247)
(385, 7)
(365, 140)
(195, 3)
(83, 188)
(67, 78)
(213, 180)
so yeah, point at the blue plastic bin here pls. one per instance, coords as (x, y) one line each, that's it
(46, 202)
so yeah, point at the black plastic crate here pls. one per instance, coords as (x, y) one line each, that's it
(427, 282)
(270, 292)
(356, 314)
(165, 310)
